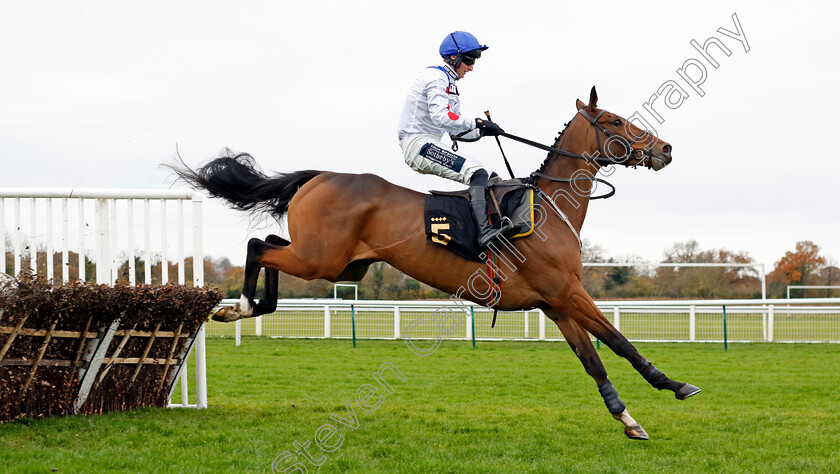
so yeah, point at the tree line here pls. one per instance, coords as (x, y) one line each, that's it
(803, 265)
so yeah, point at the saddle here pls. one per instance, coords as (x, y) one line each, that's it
(449, 221)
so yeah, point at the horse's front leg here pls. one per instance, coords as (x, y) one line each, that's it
(246, 308)
(582, 309)
(578, 340)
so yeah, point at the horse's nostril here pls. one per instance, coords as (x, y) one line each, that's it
(666, 149)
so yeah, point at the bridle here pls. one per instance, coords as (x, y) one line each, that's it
(600, 160)
(603, 161)
(645, 156)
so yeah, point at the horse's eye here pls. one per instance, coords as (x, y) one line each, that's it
(617, 123)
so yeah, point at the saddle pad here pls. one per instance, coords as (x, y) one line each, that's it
(449, 220)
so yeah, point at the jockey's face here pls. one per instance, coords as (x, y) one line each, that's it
(463, 68)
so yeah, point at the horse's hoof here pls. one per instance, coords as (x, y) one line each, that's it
(225, 314)
(632, 428)
(636, 432)
(687, 390)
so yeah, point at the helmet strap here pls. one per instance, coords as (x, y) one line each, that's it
(458, 57)
(455, 63)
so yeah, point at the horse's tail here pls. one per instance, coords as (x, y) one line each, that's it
(238, 180)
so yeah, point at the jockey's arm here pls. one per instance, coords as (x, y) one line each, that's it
(448, 120)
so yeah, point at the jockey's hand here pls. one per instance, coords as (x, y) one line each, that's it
(488, 128)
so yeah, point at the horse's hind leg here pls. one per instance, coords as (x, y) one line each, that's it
(321, 261)
(582, 309)
(268, 303)
(246, 308)
(578, 340)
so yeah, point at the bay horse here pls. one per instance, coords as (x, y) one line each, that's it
(339, 224)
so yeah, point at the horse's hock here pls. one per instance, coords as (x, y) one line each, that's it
(76, 348)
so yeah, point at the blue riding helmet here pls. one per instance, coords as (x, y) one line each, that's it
(461, 42)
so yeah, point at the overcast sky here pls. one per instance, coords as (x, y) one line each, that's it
(97, 94)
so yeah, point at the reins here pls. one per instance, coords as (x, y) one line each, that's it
(603, 161)
(551, 149)
(569, 180)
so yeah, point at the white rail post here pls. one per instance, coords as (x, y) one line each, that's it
(201, 370)
(763, 283)
(238, 332)
(81, 248)
(397, 322)
(764, 324)
(164, 263)
(180, 256)
(258, 326)
(33, 231)
(617, 318)
(198, 281)
(65, 241)
(17, 242)
(147, 243)
(101, 243)
(2, 235)
(542, 325)
(113, 229)
(327, 322)
(185, 385)
(770, 322)
(49, 256)
(132, 265)
(468, 327)
(692, 323)
(526, 323)
(198, 243)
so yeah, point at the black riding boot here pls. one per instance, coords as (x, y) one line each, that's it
(486, 233)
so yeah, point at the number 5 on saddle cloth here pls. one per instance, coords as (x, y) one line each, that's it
(449, 221)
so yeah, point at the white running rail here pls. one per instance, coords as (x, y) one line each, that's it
(773, 320)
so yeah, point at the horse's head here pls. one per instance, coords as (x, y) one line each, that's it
(621, 141)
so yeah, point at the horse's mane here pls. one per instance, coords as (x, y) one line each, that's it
(549, 154)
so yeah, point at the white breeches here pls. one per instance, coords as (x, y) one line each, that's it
(427, 154)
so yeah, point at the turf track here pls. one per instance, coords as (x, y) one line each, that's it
(501, 407)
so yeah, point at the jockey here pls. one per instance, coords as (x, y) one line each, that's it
(432, 108)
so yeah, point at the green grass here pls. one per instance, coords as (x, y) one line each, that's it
(501, 407)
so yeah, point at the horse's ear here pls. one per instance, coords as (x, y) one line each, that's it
(593, 99)
(579, 104)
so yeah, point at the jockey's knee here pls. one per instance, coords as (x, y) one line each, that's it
(479, 178)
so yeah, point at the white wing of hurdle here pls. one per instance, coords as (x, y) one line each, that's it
(107, 225)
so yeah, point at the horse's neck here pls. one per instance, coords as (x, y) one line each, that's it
(572, 198)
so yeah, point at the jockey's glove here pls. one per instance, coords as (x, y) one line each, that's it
(487, 128)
